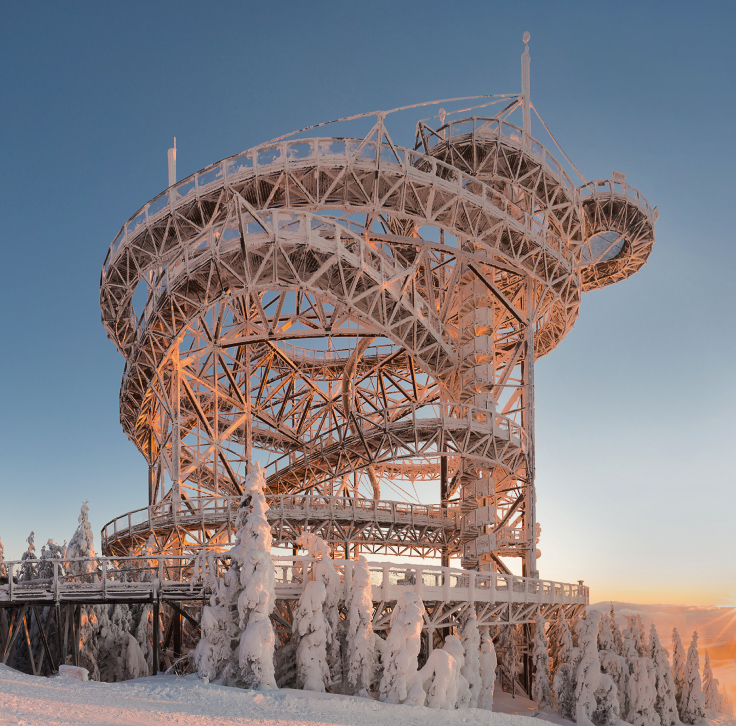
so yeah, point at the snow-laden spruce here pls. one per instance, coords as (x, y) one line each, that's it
(566, 666)
(257, 599)
(471, 665)
(119, 657)
(641, 695)
(509, 655)
(442, 680)
(324, 570)
(488, 663)
(679, 660)
(665, 703)
(311, 628)
(361, 640)
(693, 703)
(711, 696)
(401, 682)
(82, 546)
(588, 675)
(541, 691)
(29, 560)
(240, 608)
(613, 664)
(3, 570)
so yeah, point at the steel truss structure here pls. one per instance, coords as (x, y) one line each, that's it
(364, 318)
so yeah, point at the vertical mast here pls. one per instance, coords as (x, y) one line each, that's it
(172, 164)
(525, 84)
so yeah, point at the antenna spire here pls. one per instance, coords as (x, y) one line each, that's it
(172, 164)
(525, 93)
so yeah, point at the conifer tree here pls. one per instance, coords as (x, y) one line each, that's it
(665, 703)
(324, 570)
(29, 567)
(471, 666)
(564, 680)
(401, 682)
(240, 608)
(641, 696)
(711, 695)
(3, 569)
(679, 660)
(693, 703)
(588, 674)
(311, 628)
(361, 640)
(541, 691)
(509, 656)
(82, 545)
(488, 663)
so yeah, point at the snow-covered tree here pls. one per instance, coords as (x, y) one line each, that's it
(607, 709)
(643, 639)
(240, 608)
(442, 681)
(324, 570)
(679, 659)
(541, 691)
(471, 666)
(613, 664)
(711, 695)
(311, 628)
(665, 703)
(119, 656)
(49, 553)
(257, 599)
(29, 567)
(605, 634)
(641, 695)
(693, 703)
(509, 655)
(361, 640)
(564, 681)
(82, 545)
(454, 647)
(588, 674)
(488, 663)
(618, 641)
(3, 570)
(400, 682)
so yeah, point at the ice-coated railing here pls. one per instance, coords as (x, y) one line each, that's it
(154, 577)
(213, 509)
(301, 153)
(607, 187)
(493, 127)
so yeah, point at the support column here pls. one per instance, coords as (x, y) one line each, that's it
(175, 432)
(530, 518)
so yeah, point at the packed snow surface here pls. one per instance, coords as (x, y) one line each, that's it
(188, 701)
(31, 701)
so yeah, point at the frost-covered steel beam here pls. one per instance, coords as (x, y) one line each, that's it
(435, 276)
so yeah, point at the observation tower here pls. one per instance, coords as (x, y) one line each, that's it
(362, 318)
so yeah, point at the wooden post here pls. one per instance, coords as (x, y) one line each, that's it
(28, 645)
(177, 633)
(76, 633)
(156, 636)
(60, 653)
(20, 613)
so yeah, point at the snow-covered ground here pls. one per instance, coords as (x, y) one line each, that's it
(30, 701)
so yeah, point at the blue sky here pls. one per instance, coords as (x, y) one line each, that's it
(635, 427)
